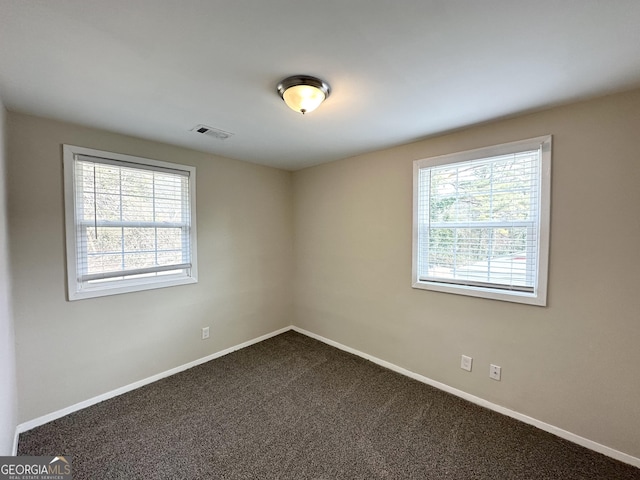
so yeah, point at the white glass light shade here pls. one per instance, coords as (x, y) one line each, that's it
(303, 93)
(303, 98)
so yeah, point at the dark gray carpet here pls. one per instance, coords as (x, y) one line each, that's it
(294, 408)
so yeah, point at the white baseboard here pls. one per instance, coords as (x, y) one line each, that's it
(36, 422)
(590, 444)
(572, 437)
(14, 451)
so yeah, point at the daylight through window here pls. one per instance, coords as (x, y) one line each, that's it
(481, 222)
(132, 223)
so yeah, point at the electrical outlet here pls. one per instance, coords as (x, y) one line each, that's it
(205, 333)
(466, 363)
(495, 372)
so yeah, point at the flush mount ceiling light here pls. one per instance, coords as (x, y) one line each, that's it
(303, 93)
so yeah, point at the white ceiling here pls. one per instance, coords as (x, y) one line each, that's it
(399, 70)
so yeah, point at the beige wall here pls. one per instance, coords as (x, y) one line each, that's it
(8, 389)
(71, 351)
(573, 364)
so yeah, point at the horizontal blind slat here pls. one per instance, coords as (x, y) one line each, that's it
(131, 224)
(477, 221)
(135, 271)
(478, 224)
(133, 166)
(127, 215)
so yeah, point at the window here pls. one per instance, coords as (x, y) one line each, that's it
(481, 222)
(130, 223)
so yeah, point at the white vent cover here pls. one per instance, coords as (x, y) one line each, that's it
(212, 132)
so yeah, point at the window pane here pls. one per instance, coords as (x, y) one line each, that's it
(137, 209)
(137, 182)
(107, 178)
(139, 239)
(169, 210)
(104, 239)
(138, 260)
(123, 213)
(129, 222)
(101, 263)
(170, 257)
(477, 220)
(87, 206)
(169, 186)
(494, 255)
(169, 238)
(107, 207)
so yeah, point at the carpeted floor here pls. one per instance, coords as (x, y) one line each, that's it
(294, 408)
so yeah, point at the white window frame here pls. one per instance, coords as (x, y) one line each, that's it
(539, 294)
(76, 289)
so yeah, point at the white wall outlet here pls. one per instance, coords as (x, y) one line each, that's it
(466, 363)
(495, 372)
(205, 333)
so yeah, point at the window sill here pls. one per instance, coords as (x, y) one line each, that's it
(130, 286)
(538, 298)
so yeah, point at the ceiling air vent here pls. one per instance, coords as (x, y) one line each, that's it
(212, 132)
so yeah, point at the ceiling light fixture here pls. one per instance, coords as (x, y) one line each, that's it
(303, 93)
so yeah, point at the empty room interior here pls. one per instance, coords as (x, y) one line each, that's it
(339, 239)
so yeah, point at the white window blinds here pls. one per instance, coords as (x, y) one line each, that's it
(131, 220)
(478, 220)
(130, 223)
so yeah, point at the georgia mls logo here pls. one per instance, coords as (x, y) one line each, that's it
(58, 469)
(35, 468)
